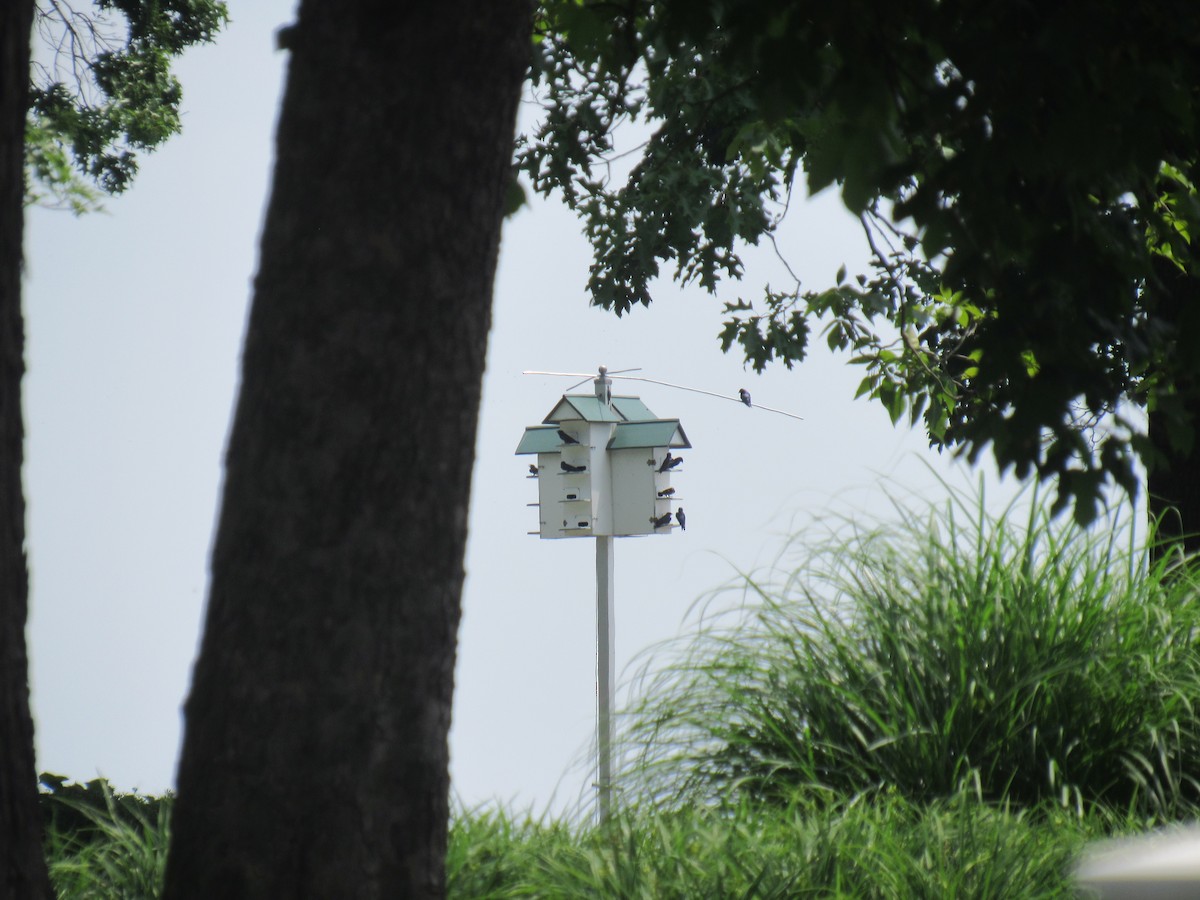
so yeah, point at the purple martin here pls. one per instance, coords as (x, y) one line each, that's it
(533, 470)
(745, 395)
(667, 493)
(566, 438)
(670, 462)
(662, 521)
(567, 467)
(681, 518)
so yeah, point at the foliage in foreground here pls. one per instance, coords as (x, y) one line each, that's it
(1025, 663)
(883, 847)
(950, 707)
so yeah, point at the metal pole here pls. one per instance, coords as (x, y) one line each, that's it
(605, 664)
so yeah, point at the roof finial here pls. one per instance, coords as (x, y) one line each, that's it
(604, 387)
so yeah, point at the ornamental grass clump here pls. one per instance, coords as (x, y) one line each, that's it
(1022, 660)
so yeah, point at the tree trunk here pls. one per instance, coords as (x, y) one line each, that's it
(1173, 483)
(22, 867)
(315, 762)
(1173, 473)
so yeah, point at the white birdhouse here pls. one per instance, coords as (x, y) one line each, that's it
(604, 466)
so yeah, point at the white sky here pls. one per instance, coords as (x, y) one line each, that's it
(134, 321)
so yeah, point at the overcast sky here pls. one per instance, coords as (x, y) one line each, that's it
(134, 320)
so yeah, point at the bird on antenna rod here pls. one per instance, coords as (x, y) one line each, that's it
(743, 395)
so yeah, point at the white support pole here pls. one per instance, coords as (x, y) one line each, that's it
(605, 664)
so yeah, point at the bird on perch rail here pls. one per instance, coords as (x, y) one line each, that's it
(566, 438)
(533, 470)
(567, 467)
(670, 462)
(662, 521)
(667, 493)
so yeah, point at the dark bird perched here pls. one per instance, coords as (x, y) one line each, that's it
(671, 462)
(667, 493)
(566, 438)
(662, 521)
(745, 395)
(681, 519)
(666, 463)
(567, 467)
(533, 470)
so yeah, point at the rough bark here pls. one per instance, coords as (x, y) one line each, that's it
(315, 761)
(22, 868)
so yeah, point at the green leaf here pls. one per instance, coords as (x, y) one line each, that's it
(514, 197)
(867, 385)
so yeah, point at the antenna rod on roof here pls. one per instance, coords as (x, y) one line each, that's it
(683, 387)
(604, 373)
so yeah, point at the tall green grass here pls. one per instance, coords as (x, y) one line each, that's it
(885, 848)
(121, 853)
(1014, 657)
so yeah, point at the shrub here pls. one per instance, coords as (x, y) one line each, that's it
(953, 651)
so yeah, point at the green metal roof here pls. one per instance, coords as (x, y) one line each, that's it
(539, 439)
(589, 408)
(633, 409)
(659, 433)
(581, 406)
(636, 427)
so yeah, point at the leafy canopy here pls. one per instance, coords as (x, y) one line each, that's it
(102, 90)
(1025, 175)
